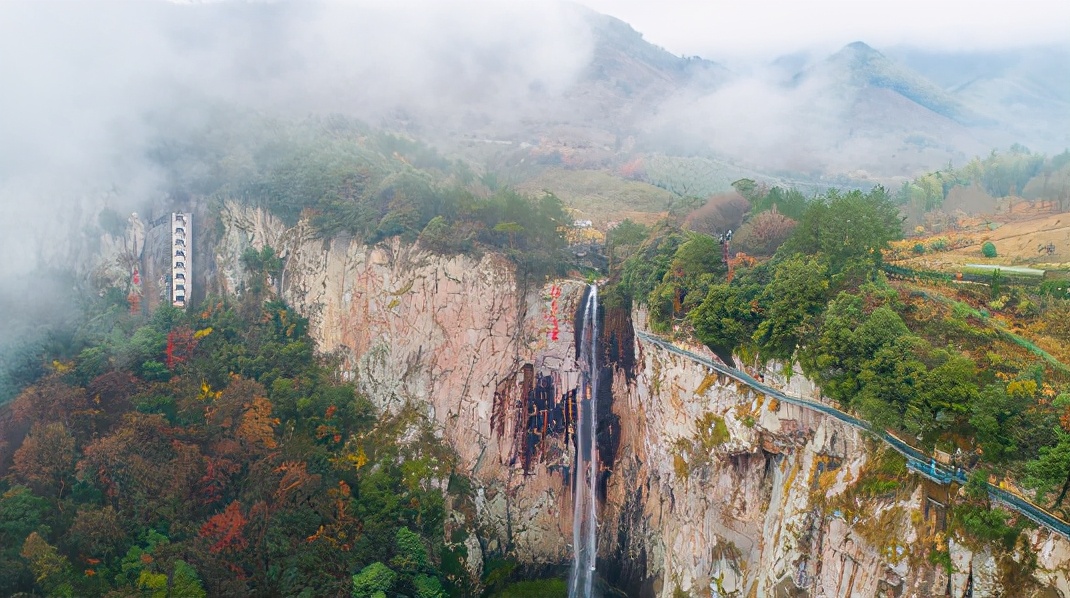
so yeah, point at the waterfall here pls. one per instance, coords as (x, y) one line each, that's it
(585, 477)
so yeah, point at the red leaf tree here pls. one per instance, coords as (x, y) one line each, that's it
(224, 530)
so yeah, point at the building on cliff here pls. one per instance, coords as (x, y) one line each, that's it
(181, 257)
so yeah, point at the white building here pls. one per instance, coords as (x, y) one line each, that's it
(181, 258)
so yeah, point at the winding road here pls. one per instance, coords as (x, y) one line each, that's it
(916, 460)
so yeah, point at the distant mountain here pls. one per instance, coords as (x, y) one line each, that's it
(1025, 90)
(859, 65)
(627, 77)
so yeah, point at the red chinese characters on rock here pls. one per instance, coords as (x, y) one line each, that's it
(555, 293)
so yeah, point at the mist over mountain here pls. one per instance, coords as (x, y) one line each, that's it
(91, 96)
(369, 299)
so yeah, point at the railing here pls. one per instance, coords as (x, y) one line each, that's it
(916, 460)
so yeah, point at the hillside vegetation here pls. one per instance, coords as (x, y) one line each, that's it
(953, 367)
(212, 453)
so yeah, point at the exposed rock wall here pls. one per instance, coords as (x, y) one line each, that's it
(714, 491)
(453, 335)
(719, 491)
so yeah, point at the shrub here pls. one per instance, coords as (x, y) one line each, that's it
(938, 244)
(919, 248)
(988, 249)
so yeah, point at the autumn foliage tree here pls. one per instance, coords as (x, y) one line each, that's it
(763, 233)
(242, 471)
(45, 461)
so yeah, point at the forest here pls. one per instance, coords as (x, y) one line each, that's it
(217, 452)
(214, 453)
(944, 365)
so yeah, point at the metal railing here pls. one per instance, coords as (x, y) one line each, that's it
(916, 460)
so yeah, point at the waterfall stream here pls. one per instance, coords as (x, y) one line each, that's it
(585, 479)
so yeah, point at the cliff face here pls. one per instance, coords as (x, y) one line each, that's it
(453, 336)
(723, 492)
(713, 490)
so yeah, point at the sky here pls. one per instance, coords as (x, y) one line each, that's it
(740, 29)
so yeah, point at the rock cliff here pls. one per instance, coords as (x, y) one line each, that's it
(713, 490)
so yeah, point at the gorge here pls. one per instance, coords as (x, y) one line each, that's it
(712, 488)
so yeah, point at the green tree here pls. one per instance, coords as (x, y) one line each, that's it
(727, 318)
(794, 299)
(988, 249)
(1051, 469)
(990, 416)
(374, 581)
(888, 381)
(21, 513)
(846, 227)
(427, 586)
(185, 583)
(410, 555)
(945, 396)
(51, 570)
(749, 189)
(848, 337)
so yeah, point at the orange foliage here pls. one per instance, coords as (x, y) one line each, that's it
(50, 400)
(257, 425)
(633, 169)
(46, 458)
(344, 529)
(216, 476)
(295, 477)
(180, 345)
(225, 529)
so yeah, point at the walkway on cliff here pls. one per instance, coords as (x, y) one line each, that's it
(916, 460)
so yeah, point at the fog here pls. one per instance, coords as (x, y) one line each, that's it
(734, 32)
(87, 88)
(89, 91)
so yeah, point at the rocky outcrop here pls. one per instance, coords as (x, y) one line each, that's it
(720, 491)
(453, 335)
(714, 490)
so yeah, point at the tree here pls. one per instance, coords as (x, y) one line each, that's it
(795, 297)
(224, 530)
(1051, 468)
(21, 513)
(512, 229)
(45, 461)
(845, 228)
(748, 188)
(49, 400)
(988, 249)
(185, 583)
(848, 338)
(720, 213)
(50, 568)
(373, 581)
(438, 236)
(261, 265)
(427, 586)
(410, 555)
(945, 396)
(257, 425)
(763, 233)
(990, 416)
(97, 532)
(727, 318)
(888, 382)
